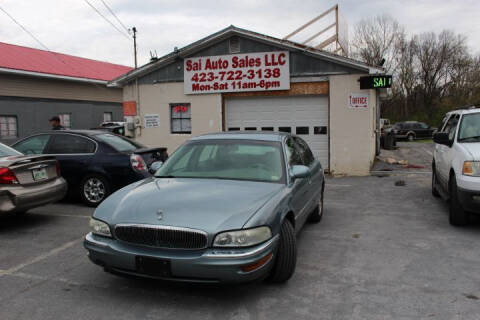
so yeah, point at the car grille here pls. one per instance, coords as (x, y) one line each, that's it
(162, 236)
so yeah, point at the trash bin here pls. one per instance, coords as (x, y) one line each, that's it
(389, 141)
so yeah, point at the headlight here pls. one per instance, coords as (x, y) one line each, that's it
(471, 168)
(100, 228)
(242, 238)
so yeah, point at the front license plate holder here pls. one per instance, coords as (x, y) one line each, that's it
(39, 174)
(153, 266)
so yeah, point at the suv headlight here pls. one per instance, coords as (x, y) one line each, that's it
(242, 238)
(471, 168)
(100, 228)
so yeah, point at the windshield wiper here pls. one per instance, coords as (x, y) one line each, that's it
(469, 138)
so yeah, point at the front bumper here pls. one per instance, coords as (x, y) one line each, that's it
(209, 265)
(470, 199)
(15, 198)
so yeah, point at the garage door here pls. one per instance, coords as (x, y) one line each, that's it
(305, 116)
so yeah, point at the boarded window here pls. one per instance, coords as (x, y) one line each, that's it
(65, 120)
(107, 117)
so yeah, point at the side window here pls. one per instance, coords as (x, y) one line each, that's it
(423, 125)
(305, 151)
(293, 156)
(33, 145)
(70, 144)
(451, 126)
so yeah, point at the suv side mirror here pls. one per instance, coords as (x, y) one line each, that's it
(299, 172)
(441, 138)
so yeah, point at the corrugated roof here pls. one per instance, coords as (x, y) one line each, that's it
(16, 57)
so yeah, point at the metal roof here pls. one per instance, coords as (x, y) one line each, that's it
(232, 30)
(21, 60)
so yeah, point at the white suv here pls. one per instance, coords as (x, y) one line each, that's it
(456, 164)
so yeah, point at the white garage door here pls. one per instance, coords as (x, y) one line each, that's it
(306, 117)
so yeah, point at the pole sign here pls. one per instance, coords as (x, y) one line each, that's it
(376, 82)
(264, 71)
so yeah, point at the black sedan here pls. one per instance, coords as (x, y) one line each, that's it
(94, 163)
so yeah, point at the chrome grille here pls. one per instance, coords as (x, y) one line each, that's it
(162, 236)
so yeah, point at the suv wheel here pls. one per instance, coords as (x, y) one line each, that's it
(411, 137)
(457, 215)
(286, 255)
(94, 189)
(434, 183)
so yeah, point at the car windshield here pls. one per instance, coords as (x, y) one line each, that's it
(118, 143)
(227, 159)
(469, 128)
(6, 151)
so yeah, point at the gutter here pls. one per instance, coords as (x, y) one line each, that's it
(51, 76)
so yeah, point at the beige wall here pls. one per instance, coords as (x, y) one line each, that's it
(156, 99)
(23, 86)
(352, 132)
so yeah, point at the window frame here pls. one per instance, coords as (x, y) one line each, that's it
(45, 148)
(62, 121)
(302, 144)
(52, 140)
(173, 105)
(110, 114)
(7, 117)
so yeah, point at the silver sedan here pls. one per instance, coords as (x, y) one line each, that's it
(27, 182)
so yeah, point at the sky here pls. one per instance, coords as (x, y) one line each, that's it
(73, 27)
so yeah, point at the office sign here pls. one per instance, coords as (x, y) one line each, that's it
(358, 101)
(265, 71)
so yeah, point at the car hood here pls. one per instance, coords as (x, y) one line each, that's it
(473, 148)
(210, 205)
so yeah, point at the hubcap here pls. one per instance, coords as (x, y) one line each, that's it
(94, 190)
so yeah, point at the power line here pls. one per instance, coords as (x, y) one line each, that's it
(25, 29)
(113, 14)
(105, 18)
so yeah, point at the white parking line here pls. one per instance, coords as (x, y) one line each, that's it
(40, 257)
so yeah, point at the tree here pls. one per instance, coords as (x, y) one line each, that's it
(376, 39)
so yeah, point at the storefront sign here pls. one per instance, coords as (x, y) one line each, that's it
(264, 71)
(376, 82)
(152, 120)
(358, 101)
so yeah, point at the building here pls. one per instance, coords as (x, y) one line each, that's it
(237, 79)
(36, 85)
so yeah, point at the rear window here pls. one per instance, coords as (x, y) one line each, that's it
(7, 151)
(118, 143)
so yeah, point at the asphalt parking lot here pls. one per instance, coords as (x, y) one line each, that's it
(381, 252)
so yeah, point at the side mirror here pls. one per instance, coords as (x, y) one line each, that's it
(441, 138)
(155, 166)
(299, 172)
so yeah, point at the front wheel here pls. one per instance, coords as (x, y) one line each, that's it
(411, 137)
(94, 189)
(286, 255)
(457, 215)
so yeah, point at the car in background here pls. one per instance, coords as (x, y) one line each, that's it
(94, 163)
(117, 127)
(225, 207)
(456, 164)
(412, 130)
(27, 182)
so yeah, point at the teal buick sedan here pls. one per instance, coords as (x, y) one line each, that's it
(226, 207)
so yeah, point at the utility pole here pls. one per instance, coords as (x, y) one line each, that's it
(135, 45)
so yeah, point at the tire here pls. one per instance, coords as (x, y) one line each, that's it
(94, 189)
(457, 215)
(286, 255)
(317, 213)
(411, 137)
(434, 183)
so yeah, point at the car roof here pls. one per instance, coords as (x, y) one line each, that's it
(467, 110)
(244, 135)
(80, 132)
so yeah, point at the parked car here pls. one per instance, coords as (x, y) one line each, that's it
(117, 127)
(412, 130)
(456, 164)
(224, 208)
(94, 163)
(27, 182)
